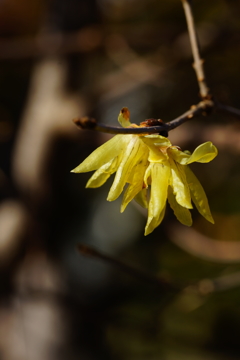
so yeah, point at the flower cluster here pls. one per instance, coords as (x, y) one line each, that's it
(143, 160)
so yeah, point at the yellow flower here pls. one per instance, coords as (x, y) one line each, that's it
(171, 179)
(127, 155)
(140, 161)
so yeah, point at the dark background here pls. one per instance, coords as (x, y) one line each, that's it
(61, 59)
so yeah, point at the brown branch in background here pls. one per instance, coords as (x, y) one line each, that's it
(227, 110)
(82, 41)
(203, 287)
(198, 62)
(141, 275)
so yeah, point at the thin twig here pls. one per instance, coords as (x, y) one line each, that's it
(202, 108)
(130, 270)
(87, 123)
(198, 62)
(227, 109)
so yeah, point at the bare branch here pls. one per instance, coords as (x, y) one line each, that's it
(202, 108)
(87, 123)
(198, 62)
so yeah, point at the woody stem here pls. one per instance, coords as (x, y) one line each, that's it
(198, 62)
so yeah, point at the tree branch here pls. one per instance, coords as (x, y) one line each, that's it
(202, 108)
(82, 41)
(198, 62)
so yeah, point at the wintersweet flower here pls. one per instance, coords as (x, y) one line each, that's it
(171, 179)
(143, 160)
(127, 155)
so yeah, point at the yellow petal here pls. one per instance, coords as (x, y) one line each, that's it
(141, 198)
(178, 155)
(153, 224)
(182, 214)
(147, 177)
(135, 181)
(125, 168)
(179, 185)
(124, 117)
(160, 174)
(198, 195)
(141, 163)
(103, 154)
(102, 174)
(155, 154)
(159, 140)
(203, 154)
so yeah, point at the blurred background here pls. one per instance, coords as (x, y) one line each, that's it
(61, 59)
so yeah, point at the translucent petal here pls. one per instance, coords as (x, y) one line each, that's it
(102, 174)
(182, 214)
(129, 195)
(203, 154)
(198, 195)
(103, 154)
(159, 140)
(141, 163)
(147, 177)
(141, 198)
(161, 216)
(124, 117)
(155, 154)
(125, 167)
(178, 155)
(179, 185)
(155, 223)
(135, 181)
(160, 174)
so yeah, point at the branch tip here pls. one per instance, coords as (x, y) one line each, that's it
(85, 122)
(198, 62)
